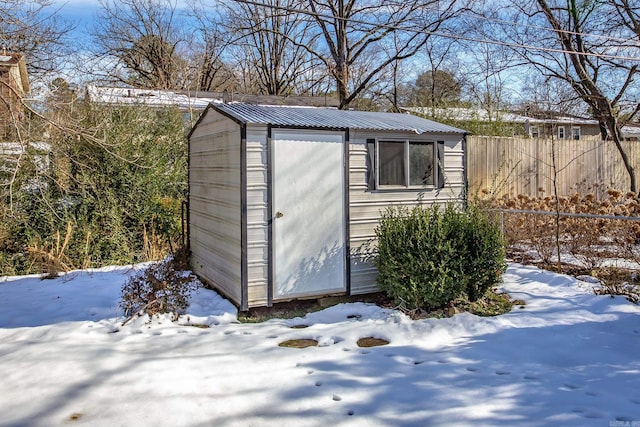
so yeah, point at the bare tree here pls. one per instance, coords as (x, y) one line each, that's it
(211, 71)
(270, 43)
(487, 78)
(209, 49)
(267, 33)
(381, 31)
(580, 45)
(35, 29)
(540, 93)
(398, 92)
(435, 84)
(628, 15)
(143, 38)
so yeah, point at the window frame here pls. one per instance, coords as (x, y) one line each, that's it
(562, 136)
(373, 164)
(579, 134)
(534, 131)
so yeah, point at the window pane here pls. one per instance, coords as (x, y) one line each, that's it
(371, 161)
(575, 133)
(391, 161)
(421, 163)
(535, 132)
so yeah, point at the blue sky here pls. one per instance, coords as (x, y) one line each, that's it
(79, 13)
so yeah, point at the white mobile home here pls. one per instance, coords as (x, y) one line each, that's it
(282, 200)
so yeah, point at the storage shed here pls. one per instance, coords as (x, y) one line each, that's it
(284, 201)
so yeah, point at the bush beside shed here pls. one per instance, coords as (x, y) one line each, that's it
(284, 201)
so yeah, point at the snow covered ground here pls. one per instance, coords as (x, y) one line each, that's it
(569, 358)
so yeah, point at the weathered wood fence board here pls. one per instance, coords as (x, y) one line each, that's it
(525, 166)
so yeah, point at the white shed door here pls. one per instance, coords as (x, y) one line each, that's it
(308, 213)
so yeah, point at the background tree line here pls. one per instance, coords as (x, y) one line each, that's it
(118, 174)
(375, 53)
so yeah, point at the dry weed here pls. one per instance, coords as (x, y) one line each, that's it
(589, 240)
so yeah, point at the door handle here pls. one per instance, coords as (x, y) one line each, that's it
(279, 214)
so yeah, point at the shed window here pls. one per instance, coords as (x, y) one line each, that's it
(404, 164)
(391, 163)
(421, 163)
(575, 132)
(535, 132)
(561, 134)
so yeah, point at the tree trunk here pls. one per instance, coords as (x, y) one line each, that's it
(342, 64)
(615, 134)
(342, 78)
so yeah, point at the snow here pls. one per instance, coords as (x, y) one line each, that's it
(568, 358)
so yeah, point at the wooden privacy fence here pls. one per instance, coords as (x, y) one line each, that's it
(515, 166)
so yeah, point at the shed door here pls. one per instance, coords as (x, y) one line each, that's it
(308, 213)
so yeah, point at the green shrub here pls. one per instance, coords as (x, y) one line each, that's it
(484, 253)
(427, 257)
(109, 193)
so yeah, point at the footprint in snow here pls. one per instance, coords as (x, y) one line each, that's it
(472, 369)
(503, 373)
(327, 341)
(318, 383)
(301, 326)
(418, 362)
(351, 412)
(336, 398)
(530, 378)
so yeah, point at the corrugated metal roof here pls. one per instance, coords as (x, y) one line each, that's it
(331, 118)
(497, 115)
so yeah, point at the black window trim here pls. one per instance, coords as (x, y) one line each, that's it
(373, 167)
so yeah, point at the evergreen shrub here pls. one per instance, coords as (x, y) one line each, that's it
(109, 192)
(428, 257)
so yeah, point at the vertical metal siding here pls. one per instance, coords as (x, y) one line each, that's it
(309, 181)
